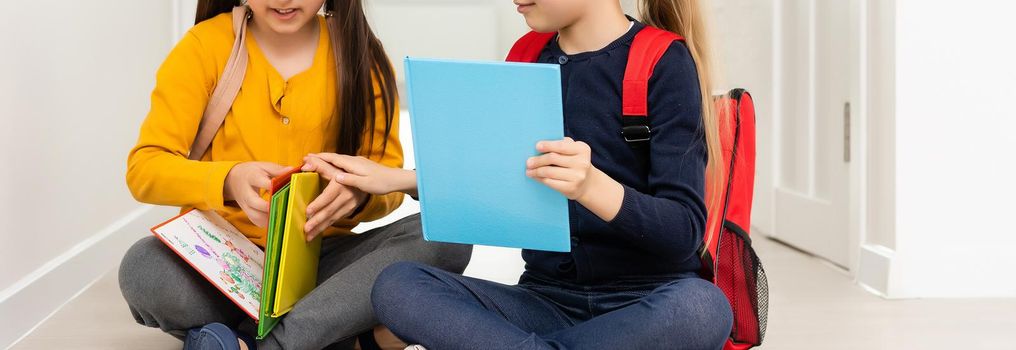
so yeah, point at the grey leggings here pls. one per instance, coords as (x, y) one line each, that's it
(163, 291)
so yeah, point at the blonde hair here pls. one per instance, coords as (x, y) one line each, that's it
(686, 18)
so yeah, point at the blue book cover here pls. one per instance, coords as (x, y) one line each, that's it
(474, 125)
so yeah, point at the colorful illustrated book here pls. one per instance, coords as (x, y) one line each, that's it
(264, 284)
(218, 251)
(474, 125)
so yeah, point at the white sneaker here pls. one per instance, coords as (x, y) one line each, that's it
(415, 347)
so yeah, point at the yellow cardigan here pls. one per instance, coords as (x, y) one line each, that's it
(272, 120)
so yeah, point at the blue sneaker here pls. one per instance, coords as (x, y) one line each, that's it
(216, 336)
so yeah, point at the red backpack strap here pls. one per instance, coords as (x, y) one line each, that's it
(529, 46)
(647, 48)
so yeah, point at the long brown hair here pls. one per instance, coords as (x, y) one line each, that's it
(359, 59)
(685, 18)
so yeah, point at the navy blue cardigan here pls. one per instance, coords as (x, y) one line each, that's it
(659, 227)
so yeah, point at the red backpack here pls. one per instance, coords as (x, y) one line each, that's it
(727, 257)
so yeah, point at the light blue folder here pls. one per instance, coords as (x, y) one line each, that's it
(474, 125)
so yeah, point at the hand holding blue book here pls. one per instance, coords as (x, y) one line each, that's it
(474, 125)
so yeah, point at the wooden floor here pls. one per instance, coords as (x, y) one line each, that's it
(812, 306)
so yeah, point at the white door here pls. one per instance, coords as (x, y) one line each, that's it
(816, 71)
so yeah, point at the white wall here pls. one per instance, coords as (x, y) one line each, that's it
(876, 214)
(74, 83)
(954, 148)
(742, 43)
(462, 29)
(880, 100)
(75, 88)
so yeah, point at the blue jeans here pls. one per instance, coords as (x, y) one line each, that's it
(442, 310)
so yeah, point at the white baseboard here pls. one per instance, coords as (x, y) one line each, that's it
(873, 270)
(34, 298)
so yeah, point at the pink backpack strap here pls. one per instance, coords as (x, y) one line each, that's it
(527, 49)
(646, 51)
(226, 88)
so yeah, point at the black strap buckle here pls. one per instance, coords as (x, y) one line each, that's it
(636, 133)
(635, 129)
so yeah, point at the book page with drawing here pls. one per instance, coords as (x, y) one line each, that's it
(218, 251)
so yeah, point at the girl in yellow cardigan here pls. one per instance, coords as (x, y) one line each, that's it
(301, 95)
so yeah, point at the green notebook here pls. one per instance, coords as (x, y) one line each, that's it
(291, 263)
(273, 250)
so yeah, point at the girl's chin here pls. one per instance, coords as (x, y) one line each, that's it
(540, 25)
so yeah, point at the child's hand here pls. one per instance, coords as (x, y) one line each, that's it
(242, 184)
(336, 201)
(564, 166)
(361, 173)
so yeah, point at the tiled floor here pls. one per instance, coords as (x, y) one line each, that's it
(813, 306)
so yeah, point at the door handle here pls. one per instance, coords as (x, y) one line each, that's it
(846, 132)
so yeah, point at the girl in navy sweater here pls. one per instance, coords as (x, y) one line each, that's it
(637, 213)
